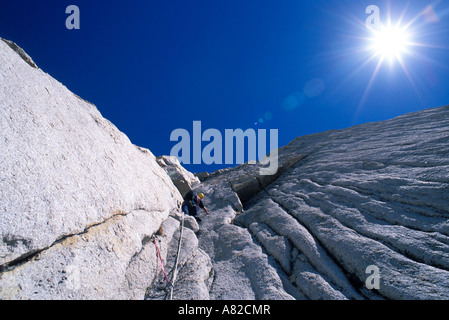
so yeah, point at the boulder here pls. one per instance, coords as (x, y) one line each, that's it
(183, 179)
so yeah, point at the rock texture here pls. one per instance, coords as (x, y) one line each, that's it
(78, 199)
(371, 195)
(183, 179)
(85, 214)
(190, 280)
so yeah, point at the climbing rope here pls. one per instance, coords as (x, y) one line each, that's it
(175, 268)
(171, 283)
(160, 261)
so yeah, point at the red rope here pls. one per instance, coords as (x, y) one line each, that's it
(160, 260)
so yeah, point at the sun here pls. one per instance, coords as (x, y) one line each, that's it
(390, 42)
(391, 48)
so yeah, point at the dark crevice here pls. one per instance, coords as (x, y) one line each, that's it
(248, 191)
(32, 254)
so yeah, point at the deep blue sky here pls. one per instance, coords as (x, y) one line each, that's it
(154, 66)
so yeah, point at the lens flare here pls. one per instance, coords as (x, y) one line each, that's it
(390, 42)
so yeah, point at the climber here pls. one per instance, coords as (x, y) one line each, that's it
(191, 204)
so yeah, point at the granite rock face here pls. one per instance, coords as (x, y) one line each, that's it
(359, 213)
(78, 199)
(370, 197)
(183, 179)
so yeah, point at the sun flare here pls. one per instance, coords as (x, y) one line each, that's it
(390, 42)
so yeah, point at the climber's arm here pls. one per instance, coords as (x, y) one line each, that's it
(203, 207)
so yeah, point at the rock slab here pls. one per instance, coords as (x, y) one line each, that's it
(78, 199)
